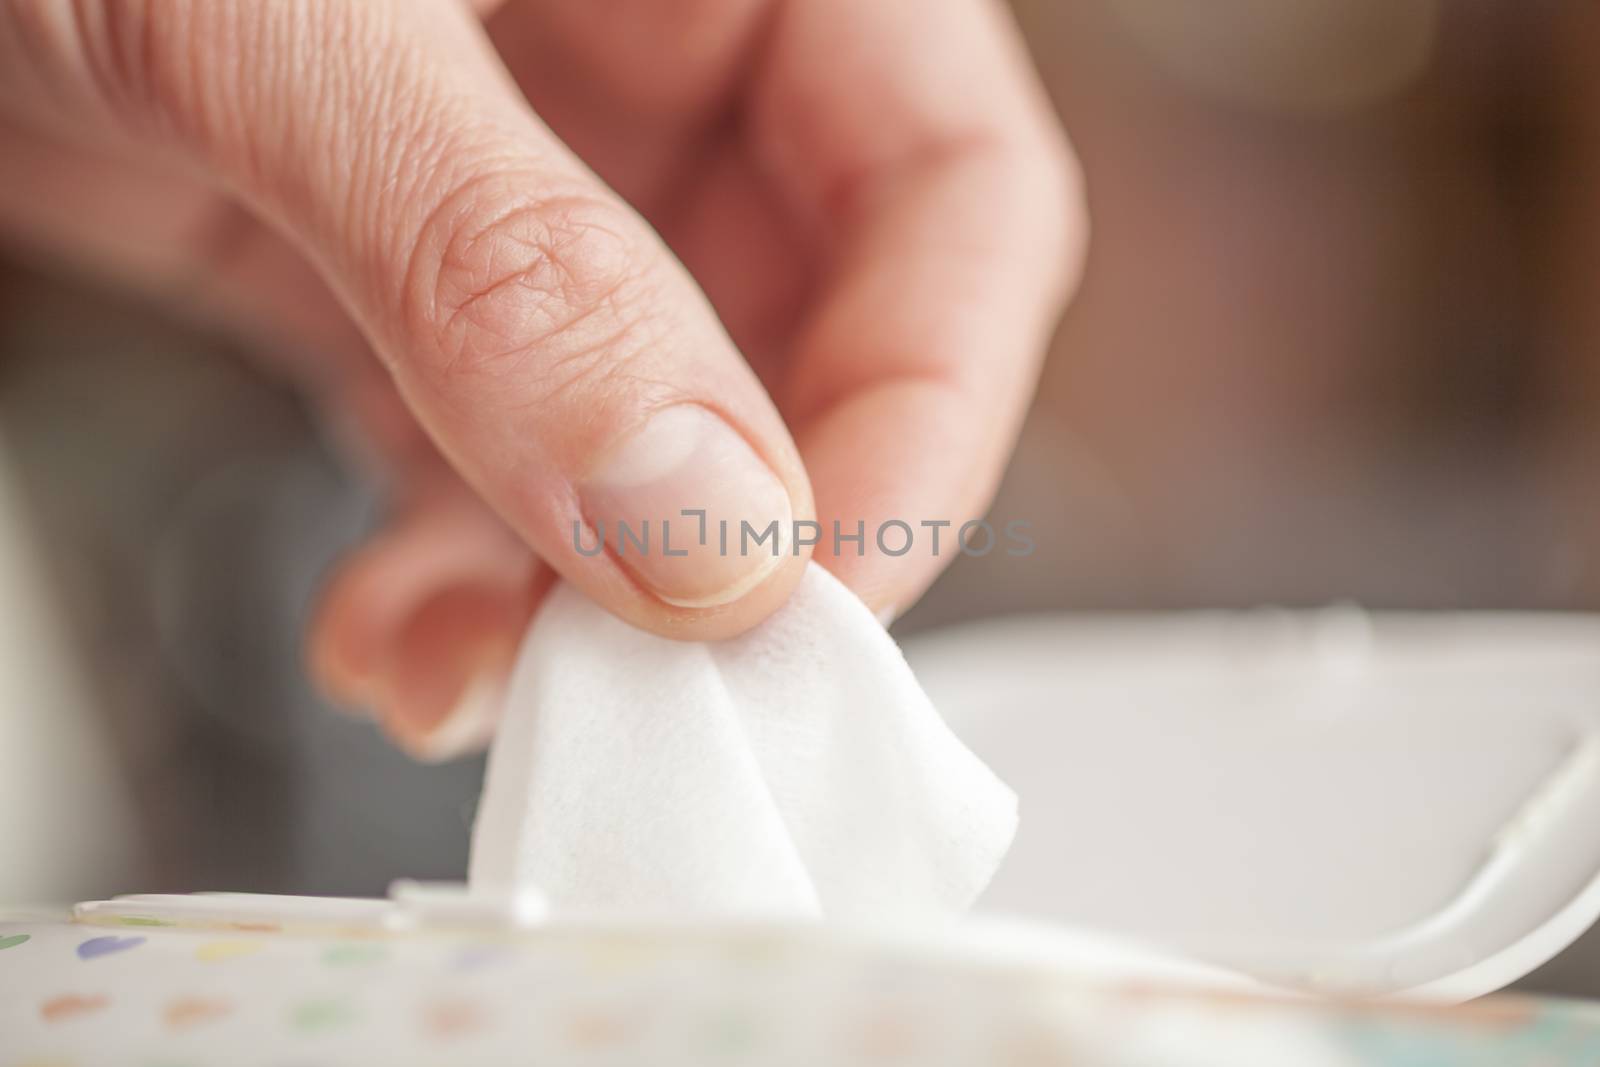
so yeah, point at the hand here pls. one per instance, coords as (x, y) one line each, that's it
(614, 258)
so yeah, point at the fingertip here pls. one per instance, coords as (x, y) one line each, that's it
(455, 636)
(690, 523)
(410, 620)
(466, 729)
(742, 615)
(341, 653)
(448, 664)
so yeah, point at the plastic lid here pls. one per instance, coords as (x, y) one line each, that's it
(1398, 805)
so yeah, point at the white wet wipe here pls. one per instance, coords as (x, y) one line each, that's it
(795, 771)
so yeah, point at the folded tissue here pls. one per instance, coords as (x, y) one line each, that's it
(797, 771)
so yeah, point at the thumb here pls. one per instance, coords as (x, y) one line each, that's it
(541, 332)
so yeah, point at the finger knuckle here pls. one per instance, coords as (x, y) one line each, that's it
(500, 287)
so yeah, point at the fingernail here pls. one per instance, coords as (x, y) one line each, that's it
(346, 686)
(685, 459)
(469, 725)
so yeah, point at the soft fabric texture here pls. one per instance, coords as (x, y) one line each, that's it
(796, 771)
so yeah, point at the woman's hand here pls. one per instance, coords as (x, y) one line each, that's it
(591, 261)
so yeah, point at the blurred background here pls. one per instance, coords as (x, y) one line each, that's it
(1338, 339)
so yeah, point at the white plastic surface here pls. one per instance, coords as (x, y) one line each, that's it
(411, 905)
(1327, 801)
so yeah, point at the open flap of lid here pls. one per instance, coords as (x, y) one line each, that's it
(1330, 802)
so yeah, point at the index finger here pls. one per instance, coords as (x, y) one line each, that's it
(914, 134)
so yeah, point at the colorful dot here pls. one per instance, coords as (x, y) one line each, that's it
(732, 1032)
(475, 957)
(619, 957)
(218, 951)
(193, 1011)
(598, 1029)
(14, 940)
(316, 1016)
(452, 1018)
(72, 1006)
(354, 955)
(889, 1036)
(96, 947)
